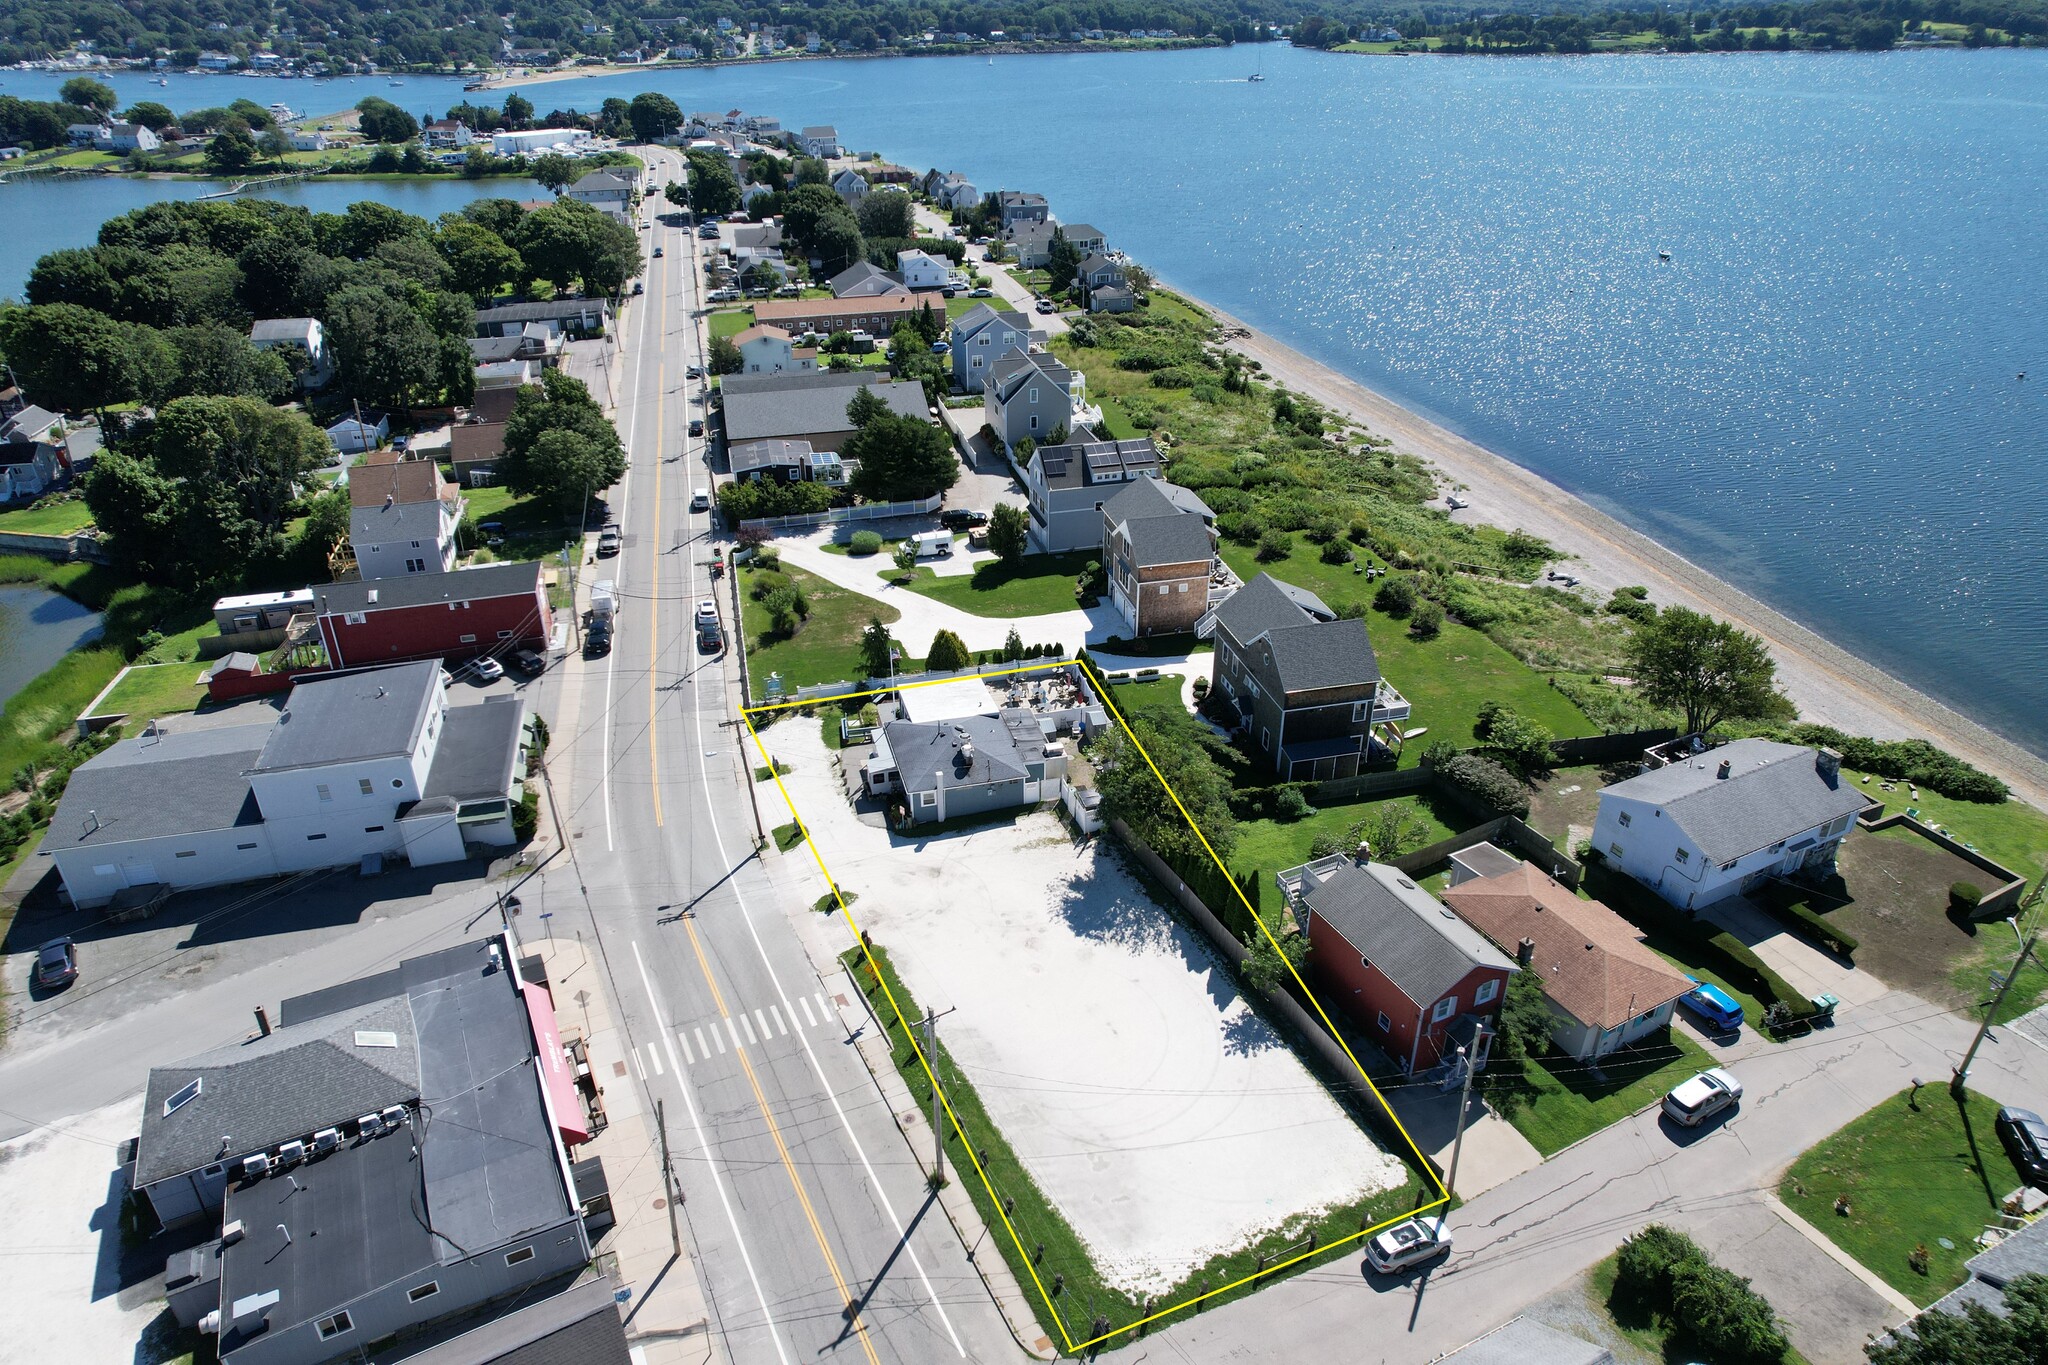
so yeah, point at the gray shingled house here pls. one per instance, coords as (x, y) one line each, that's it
(1066, 487)
(968, 766)
(1158, 551)
(809, 406)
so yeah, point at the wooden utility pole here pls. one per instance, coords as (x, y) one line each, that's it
(930, 1024)
(1464, 1097)
(668, 1178)
(2029, 909)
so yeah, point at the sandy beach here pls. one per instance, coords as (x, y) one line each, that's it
(1829, 684)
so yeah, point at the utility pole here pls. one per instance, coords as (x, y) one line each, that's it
(930, 1025)
(1464, 1097)
(668, 1178)
(1958, 1083)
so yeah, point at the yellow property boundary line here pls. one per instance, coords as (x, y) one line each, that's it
(1101, 689)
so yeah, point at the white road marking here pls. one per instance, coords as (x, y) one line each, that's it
(639, 1065)
(711, 1162)
(810, 1020)
(684, 1039)
(701, 1047)
(776, 1014)
(824, 1007)
(655, 1057)
(746, 1026)
(734, 1030)
(766, 1032)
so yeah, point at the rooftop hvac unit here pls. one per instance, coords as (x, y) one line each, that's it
(290, 1153)
(369, 1125)
(231, 1233)
(394, 1116)
(256, 1165)
(326, 1140)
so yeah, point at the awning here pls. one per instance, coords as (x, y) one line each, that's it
(554, 1065)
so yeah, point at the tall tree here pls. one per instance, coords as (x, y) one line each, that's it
(886, 213)
(653, 116)
(1063, 262)
(387, 353)
(1132, 792)
(837, 243)
(876, 650)
(216, 360)
(149, 114)
(69, 358)
(382, 121)
(1704, 668)
(1009, 533)
(480, 262)
(569, 240)
(87, 93)
(553, 170)
(518, 110)
(901, 458)
(948, 653)
(713, 187)
(232, 150)
(565, 473)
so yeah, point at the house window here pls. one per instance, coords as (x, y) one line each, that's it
(519, 1257)
(415, 545)
(1358, 709)
(245, 847)
(1034, 416)
(467, 639)
(1487, 990)
(189, 853)
(326, 794)
(1386, 1024)
(504, 635)
(1684, 855)
(1162, 589)
(363, 785)
(1034, 396)
(373, 829)
(422, 1291)
(399, 781)
(1614, 849)
(1183, 587)
(1265, 738)
(1445, 1008)
(1624, 819)
(333, 1327)
(927, 799)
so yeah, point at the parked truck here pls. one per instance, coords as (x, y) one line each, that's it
(933, 544)
(604, 600)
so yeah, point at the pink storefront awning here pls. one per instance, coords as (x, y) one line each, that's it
(554, 1064)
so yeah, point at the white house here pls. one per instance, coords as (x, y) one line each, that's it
(821, 141)
(922, 270)
(984, 335)
(604, 190)
(1728, 820)
(28, 469)
(446, 132)
(309, 140)
(373, 763)
(128, 137)
(402, 518)
(769, 350)
(355, 435)
(305, 336)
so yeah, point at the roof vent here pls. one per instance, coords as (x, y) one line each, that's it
(1724, 769)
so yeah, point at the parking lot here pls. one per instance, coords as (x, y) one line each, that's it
(1165, 1119)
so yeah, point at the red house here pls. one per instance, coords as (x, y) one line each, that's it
(490, 609)
(1416, 978)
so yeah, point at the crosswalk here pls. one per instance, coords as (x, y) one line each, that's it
(745, 1027)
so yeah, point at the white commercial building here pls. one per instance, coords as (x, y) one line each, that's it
(536, 140)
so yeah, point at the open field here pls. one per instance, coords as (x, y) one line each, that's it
(825, 647)
(1038, 586)
(1913, 1172)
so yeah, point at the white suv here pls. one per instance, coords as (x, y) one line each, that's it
(1693, 1102)
(1407, 1244)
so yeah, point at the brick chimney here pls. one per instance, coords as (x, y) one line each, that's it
(1525, 953)
(1829, 764)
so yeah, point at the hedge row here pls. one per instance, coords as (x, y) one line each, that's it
(1737, 962)
(1748, 971)
(1915, 760)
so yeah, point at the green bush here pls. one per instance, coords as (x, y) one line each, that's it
(1965, 895)
(1396, 596)
(1426, 622)
(1643, 1266)
(1336, 552)
(1750, 972)
(1805, 920)
(1717, 1308)
(1915, 760)
(1488, 782)
(526, 816)
(1274, 545)
(866, 543)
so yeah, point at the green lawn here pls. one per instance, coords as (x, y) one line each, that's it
(1912, 1177)
(1038, 586)
(1116, 422)
(1267, 846)
(1446, 679)
(152, 690)
(827, 646)
(1562, 1100)
(2012, 833)
(728, 322)
(49, 517)
(1164, 302)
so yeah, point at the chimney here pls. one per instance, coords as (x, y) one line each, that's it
(262, 1021)
(1723, 772)
(1525, 953)
(1828, 763)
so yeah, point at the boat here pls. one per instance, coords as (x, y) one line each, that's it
(161, 81)
(1663, 255)
(1258, 71)
(394, 82)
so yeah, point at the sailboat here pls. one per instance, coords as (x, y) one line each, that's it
(1259, 73)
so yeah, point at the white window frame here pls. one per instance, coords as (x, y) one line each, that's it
(1485, 992)
(420, 1292)
(519, 1257)
(338, 1325)
(1443, 1009)
(1386, 1024)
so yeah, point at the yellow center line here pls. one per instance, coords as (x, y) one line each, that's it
(654, 580)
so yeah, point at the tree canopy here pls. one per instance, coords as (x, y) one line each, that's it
(1705, 669)
(565, 471)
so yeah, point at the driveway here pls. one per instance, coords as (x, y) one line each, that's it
(1829, 1309)
(1494, 1151)
(1809, 970)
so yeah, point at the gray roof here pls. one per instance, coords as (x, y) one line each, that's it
(374, 714)
(1010, 372)
(478, 749)
(281, 329)
(29, 423)
(488, 350)
(541, 312)
(1266, 604)
(864, 279)
(765, 406)
(1520, 1341)
(1083, 464)
(2025, 1252)
(928, 754)
(1177, 538)
(822, 130)
(984, 313)
(1155, 498)
(271, 1090)
(749, 456)
(1417, 943)
(1320, 654)
(602, 180)
(181, 782)
(1772, 792)
(1097, 261)
(1081, 231)
(1019, 198)
(579, 1326)
(511, 579)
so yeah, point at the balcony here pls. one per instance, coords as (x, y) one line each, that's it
(1388, 704)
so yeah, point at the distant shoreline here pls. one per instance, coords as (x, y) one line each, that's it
(1828, 683)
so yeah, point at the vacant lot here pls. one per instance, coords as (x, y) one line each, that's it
(826, 644)
(1913, 1177)
(1163, 1118)
(1037, 586)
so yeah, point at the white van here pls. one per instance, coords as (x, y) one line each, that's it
(933, 544)
(700, 500)
(604, 599)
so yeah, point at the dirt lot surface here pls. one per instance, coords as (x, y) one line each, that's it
(1163, 1117)
(1898, 911)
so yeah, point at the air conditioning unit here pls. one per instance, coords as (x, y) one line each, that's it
(231, 1233)
(394, 1116)
(255, 1165)
(326, 1140)
(290, 1153)
(210, 1324)
(369, 1125)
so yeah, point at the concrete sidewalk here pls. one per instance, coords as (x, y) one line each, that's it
(667, 1318)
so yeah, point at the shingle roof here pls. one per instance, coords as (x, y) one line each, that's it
(1266, 604)
(764, 407)
(799, 310)
(1001, 745)
(602, 180)
(1097, 261)
(1591, 961)
(1320, 654)
(281, 329)
(1177, 538)
(408, 481)
(476, 442)
(1083, 464)
(1010, 372)
(760, 331)
(509, 579)
(1415, 942)
(1154, 498)
(541, 312)
(864, 279)
(182, 782)
(749, 456)
(1772, 792)
(373, 714)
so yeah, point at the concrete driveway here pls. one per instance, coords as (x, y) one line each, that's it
(1494, 1153)
(1829, 1305)
(1808, 969)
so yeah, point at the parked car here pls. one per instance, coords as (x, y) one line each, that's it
(56, 964)
(694, 372)
(1713, 1004)
(529, 661)
(1693, 1102)
(962, 519)
(982, 292)
(1043, 306)
(1408, 1244)
(597, 641)
(609, 541)
(2025, 1135)
(696, 426)
(700, 500)
(709, 638)
(707, 613)
(489, 669)
(941, 347)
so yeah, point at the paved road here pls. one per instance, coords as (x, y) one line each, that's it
(801, 1197)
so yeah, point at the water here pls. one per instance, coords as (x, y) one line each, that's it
(37, 628)
(1816, 399)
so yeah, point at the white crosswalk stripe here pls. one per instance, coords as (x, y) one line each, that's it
(746, 1026)
(700, 1041)
(654, 1055)
(766, 1032)
(809, 1020)
(760, 1024)
(684, 1039)
(781, 1029)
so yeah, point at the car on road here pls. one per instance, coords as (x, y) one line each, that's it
(1408, 1244)
(647, 225)
(700, 500)
(1712, 1004)
(707, 613)
(1043, 306)
(529, 661)
(609, 541)
(1693, 1102)
(709, 638)
(489, 669)
(983, 292)
(962, 519)
(639, 288)
(2025, 1135)
(696, 426)
(597, 641)
(694, 372)
(56, 964)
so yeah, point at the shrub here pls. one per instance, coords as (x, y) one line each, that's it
(1643, 1266)
(1804, 919)
(1913, 759)
(1336, 552)
(1359, 532)
(866, 543)
(1723, 1314)
(1487, 782)
(1291, 804)
(1323, 529)
(1964, 895)
(526, 816)
(1396, 596)
(1427, 620)
(1521, 744)
(1241, 527)
(765, 581)
(1274, 545)
(948, 652)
